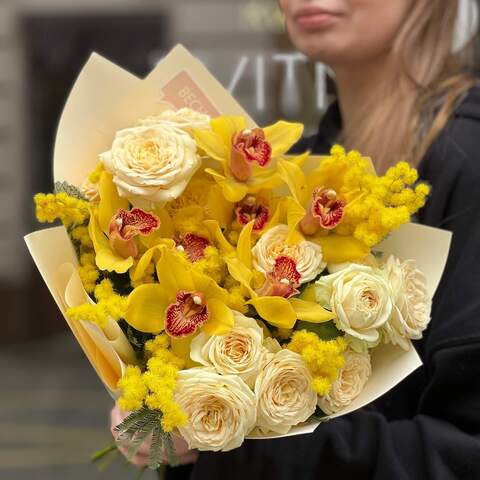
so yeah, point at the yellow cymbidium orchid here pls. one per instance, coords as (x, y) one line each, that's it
(112, 228)
(186, 229)
(328, 181)
(184, 301)
(278, 311)
(110, 203)
(105, 257)
(247, 156)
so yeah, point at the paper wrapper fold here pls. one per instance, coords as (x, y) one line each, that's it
(108, 350)
(105, 99)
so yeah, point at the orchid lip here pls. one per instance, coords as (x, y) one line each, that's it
(193, 245)
(283, 280)
(186, 315)
(251, 208)
(327, 208)
(249, 147)
(125, 226)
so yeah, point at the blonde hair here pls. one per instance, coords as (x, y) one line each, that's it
(425, 84)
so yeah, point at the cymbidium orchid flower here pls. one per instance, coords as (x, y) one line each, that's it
(182, 223)
(247, 156)
(265, 209)
(278, 306)
(126, 225)
(182, 302)
(113, 228)
(252, 208)
(283, 280)
(316, 206)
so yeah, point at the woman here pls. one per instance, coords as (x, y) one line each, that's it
(402, 94)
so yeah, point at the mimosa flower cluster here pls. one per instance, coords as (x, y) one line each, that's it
(247, 281)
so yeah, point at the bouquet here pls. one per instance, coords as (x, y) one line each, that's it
(221, 288)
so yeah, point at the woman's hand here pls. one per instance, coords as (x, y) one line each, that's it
(183, 454)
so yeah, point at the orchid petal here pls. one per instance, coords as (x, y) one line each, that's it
(233, 191)
(310, 311)
(181, 348)
(295, 214)
(217, 235)
(240, 273)
(164, 232)
(105, 257)
(212, 144)
(146, 307)
(205, 284)
(279, 215)
(309, 293)
(275, 310)
(166, 229)
(244, 245)
(282, 135)
(267, 181)
(340, 248)
(293, 176)
(220, 318)
(217, 208)
(138, 271)
(174, 273)
(300, 159)
(216, 175)
(227, 126)
(110, 201)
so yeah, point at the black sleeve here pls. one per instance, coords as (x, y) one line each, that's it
(441, 437)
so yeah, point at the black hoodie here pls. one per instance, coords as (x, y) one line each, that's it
(428, 427)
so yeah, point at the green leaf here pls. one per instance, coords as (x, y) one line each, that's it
(130, 420)
(170, 450)
(69, 189)
(156, 457)
(135, 429)
(141, 435)
(136, 338)
(325, 331)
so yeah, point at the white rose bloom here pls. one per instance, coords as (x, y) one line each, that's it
(152, 163)
(411, 302)
(184, 118)
(361, 299)
(221, 409)
(284, 393)
(307, 255)
(239, 352)
(350, 382)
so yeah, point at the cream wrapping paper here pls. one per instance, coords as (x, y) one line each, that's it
(105, 99)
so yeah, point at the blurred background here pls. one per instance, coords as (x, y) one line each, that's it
(53, 409)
